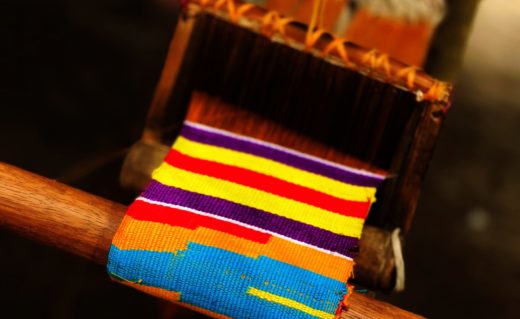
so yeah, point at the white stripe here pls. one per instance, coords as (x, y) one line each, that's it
(146, 200)
(284, 149)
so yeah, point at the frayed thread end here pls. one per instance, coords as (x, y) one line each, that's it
(344, 304)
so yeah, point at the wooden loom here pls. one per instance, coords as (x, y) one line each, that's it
(376, 265)
(84, 224)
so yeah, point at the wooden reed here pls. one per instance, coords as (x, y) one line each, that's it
(83, 224)
(359, 116)
(293, 89)
(296, 32)
(211, 111)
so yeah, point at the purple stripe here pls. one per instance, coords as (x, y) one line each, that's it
(216, 139)
(344, 245)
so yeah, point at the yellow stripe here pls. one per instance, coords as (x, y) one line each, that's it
(304, 213)
(168, 238)
(275, 169)
(289, 303)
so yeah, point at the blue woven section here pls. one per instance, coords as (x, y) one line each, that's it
(218, 280)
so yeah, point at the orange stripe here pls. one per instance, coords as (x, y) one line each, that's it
(160, 237)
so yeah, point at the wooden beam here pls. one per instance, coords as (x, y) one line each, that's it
(56, 214)
(155, 120)
(83, 224)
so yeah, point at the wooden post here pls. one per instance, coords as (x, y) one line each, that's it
(449, 43)
(84, 224)
(154, 121)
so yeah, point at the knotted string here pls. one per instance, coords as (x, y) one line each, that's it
(409, 73)
(338, 45)
(376, 60)
(234, 12)
(272, 23)
(313, 34)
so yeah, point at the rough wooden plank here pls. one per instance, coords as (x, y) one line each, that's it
(364, 307)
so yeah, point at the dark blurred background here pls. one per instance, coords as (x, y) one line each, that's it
(79, 76)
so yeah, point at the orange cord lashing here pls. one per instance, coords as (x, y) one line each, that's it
(272, 23)
(339, 45)
(218, 4)
(267, 23)
(436, 92)
(321, 12)
(313, 34)
(234, 12)
(383, 61)
(313, 37)
(375, 60)
(410, 74)
(279, 25)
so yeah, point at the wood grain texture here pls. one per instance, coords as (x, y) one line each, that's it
(83, 224)
(363, 307)
(401, 198)
(57, 215)
(211, 111)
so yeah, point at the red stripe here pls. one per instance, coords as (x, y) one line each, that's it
(268, 184)
(177, 217)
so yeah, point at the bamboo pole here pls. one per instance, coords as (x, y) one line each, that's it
(83, 224)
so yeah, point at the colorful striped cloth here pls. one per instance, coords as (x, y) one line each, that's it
(236, 227)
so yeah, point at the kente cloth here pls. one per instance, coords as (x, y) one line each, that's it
(236, 227)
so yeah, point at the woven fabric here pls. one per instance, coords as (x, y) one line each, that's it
(240, 228)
